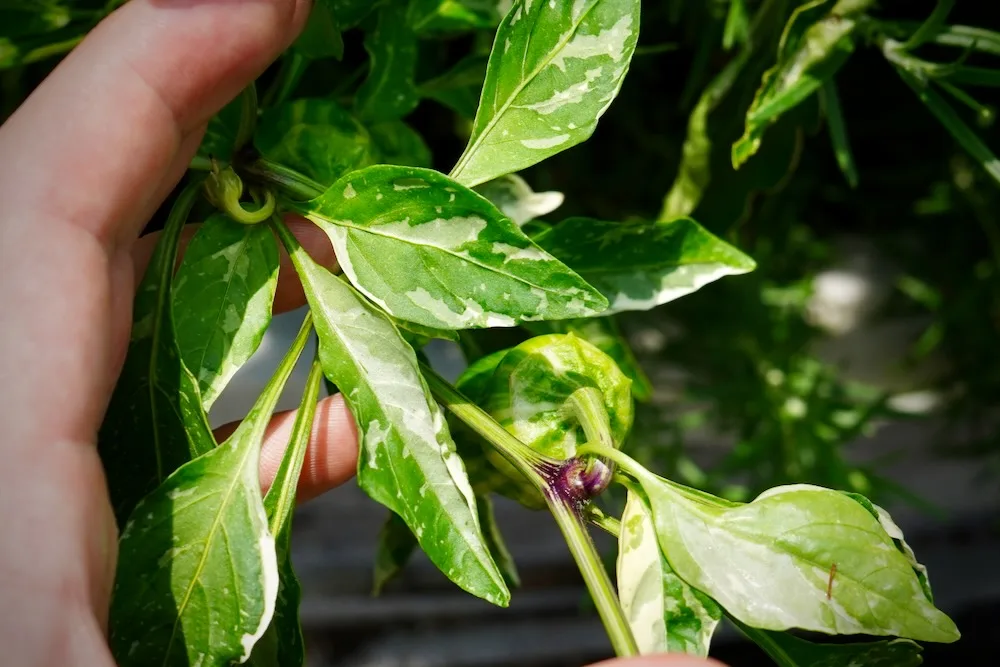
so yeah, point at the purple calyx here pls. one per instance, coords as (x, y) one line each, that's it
(577, 481)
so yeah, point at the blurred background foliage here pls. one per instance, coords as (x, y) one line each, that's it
(871, 208)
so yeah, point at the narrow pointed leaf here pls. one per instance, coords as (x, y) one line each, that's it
(639, 266)
(517, 200)
(282, 644)
(789, 651)
(665, 614)
(554, 70)
(316, 137)
(155, 422)
(407, 459)
(817, 41)
(390, 91)
(430, 251)
(222, 298)
(604, 334)
(197, 571)
(432, 17)
(838, 132)
(796, 557)
(460, 87)
(396, 545)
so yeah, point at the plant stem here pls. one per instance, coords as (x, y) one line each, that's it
(587, 405)
(529, 462)
(594, 575)
(290, 182)
(605, 522)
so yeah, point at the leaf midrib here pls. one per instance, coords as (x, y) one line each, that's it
(498, 113)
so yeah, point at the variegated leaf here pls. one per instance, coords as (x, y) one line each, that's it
(517, 200)
(665, 614)
(407, 460)
(430, 251)
(639, 266)
(554, 70)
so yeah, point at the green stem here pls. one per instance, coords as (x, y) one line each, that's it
(764, 641)
(290, 182)
(293, 66)
(527, 461)
(595, 576)
(587, 405)
(248, 116)
(605, 522)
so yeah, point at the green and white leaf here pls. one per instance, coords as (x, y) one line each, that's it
(222, 297)
(197, 572)
(315, 137)
(639, 266)
(396, 544)
(390, 91)
(768, 563)
(554, 70)
(816, 42)
(407, 459)
(604, 334)
(665, 614)
(282, 644)
(789, 651)
(155, 422)
(397, 143)
(515, 198)
(430, 251)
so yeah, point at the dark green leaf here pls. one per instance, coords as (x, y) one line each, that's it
(554, 70)
(197, 572)
(321, 37)
(460, 87)
(495, 541)
(817, 40)
(282, 644)
(796, 557)
(397, 143)
(222, 298)
(28, 18)
(517, 200)
(318, 138)
(639, 266)
(220, 137)
(407, 459)
(737, 28)
(963, 134)
(931, 26)
(973, 76)
(789, 651)
(838, 133)
(389, 92)
(396, 544)
(665, 614)
(430, 251)
(350, 13)
(430, 17)
(604, 334)
(155, 422)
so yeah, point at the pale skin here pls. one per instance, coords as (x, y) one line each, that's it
(85, 162)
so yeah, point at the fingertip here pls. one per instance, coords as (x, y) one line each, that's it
(289, 294)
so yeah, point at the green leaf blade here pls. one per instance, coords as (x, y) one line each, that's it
(554, 70)
(222, 296)
(155, 422)
(390, 91)
(396, 544)
(638, 266)
(407, 461)
(665, 614)
(432, 252)
(769, 563)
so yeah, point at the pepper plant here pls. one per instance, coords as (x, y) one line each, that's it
(205, 576)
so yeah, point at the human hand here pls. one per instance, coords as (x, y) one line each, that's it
(87, 159)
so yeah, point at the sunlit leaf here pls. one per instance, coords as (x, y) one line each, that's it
(639, 266)
(197, 572)
(155, 422)
(222, 297)
(554, 70)
(817, 40)
(389, 92)
(430, 251)
(665, 614)
(407, 460)
(796, 557)
(316, 137)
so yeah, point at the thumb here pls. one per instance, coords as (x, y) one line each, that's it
(672, 660)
